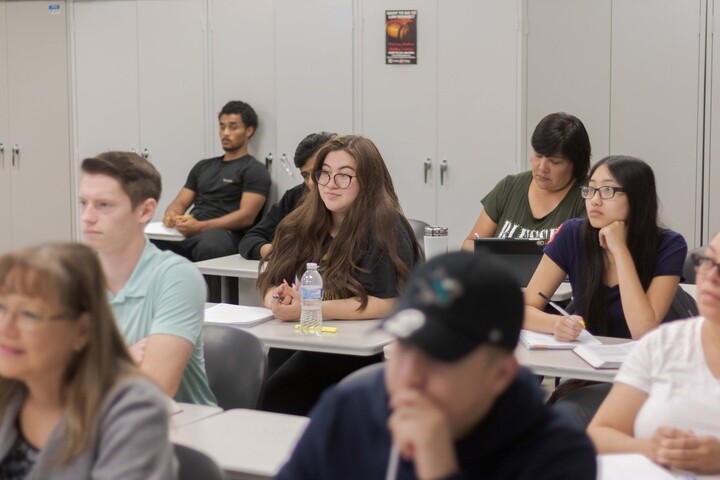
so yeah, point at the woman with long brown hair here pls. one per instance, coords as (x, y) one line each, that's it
(72, 402)
(352, 226)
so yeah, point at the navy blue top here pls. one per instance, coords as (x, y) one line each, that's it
(520, 438)
(566, 250)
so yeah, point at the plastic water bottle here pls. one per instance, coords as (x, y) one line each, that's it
(311, 292)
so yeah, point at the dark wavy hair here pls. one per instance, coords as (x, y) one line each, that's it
(643, 237)
(300, 236)
(309, 145)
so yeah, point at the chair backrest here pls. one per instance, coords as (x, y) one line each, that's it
(196, 465)
(363, 372)
(418, 227)
(236, 366)
(689, 268)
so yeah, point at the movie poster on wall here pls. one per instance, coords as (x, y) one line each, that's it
(401, 37)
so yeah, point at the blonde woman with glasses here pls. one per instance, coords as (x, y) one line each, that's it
(72, 403)
(665, 402)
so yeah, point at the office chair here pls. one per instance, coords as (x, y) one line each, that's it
(418, 227)
(689, 268)
(194, 465)
(363, 373)
(236, 366)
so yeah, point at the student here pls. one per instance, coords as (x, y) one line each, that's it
(158, 297)
(533, 204)
(257, 242)
(72, 402)
(665, 402)
(228, 194)
(352, 225)
(451, 401)
(623, 268)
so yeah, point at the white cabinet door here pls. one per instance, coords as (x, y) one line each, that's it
(568, 67)
(39, 112)
(5, 152)
(712, 168)
(243, 68)
(314, 55)
(656, 102)
(141, 83)
(106, 76)
(477, 106)
(171, 62)
(400, 105)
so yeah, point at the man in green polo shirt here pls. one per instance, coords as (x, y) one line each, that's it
(158, 297)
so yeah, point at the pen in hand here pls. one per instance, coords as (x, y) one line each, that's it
(561, 310)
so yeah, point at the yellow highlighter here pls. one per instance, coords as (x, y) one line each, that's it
(323, 329)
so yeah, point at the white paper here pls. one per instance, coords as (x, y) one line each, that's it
(157, 229)
(604, 356)
(227, 314)
(534, 340)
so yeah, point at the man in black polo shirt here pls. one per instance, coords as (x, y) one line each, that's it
(228, 194)
(257, 242)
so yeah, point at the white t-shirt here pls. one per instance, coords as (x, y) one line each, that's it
(669, 365)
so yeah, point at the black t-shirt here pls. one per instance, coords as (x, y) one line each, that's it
(379, 278)
(219, 185)
(264, 231)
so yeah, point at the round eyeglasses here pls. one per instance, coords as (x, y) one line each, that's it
(26, 320)
(342, 180)
(606, 193)
(703, 264)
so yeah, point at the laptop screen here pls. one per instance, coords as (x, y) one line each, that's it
(521, 256)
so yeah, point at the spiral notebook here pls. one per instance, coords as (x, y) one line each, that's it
(237, 315)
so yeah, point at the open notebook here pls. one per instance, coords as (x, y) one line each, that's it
(159, 231)
(238, 315)
(545, 341)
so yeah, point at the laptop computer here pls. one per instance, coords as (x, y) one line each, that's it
(520, 255)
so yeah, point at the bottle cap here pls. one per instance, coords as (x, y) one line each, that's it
(311, 266)
(436, 231)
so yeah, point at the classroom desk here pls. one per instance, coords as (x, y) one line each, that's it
(234, 266)
(565, 363)
(354, 337)
(247, 444)
(691, 289)
(191, 413)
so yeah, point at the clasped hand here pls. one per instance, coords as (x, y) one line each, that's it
(285, 303)
(683, 450)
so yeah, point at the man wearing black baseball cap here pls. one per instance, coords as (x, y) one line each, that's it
(452, 401)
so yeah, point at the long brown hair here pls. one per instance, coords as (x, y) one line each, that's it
(301, 235)
(70, 275)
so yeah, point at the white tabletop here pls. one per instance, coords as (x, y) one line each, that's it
(245, 443)
(690, 288)
(230, 266)
(354, 337)
(190, 413)
(565, 363)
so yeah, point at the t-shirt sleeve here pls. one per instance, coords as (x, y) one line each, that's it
(256, 179)
(192, 180)
(560, 249)
(381, 281)
(636, 369)
(671, 255)
(494, 202)
(180, 303)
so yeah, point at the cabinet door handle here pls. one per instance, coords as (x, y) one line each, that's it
(268, 160)
(146, 153)
(16, 152)
(427, 165)
(443, 169)
(2, 153)
(285, 164)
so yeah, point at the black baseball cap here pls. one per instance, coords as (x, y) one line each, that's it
(456, 302)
